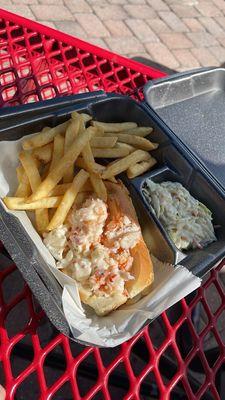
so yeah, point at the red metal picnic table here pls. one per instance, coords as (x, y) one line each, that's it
(169, 359)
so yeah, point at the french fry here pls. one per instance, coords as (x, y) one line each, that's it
(81, 164)
(126, 146)
(88, 157)
(85, 117)
(114, 127)
(99, 186)
(140, 168)
(100, 131)
(66, 161)
(81, 197)
(59, 190)
(58, 150)
(19, 203)
(142, 131)
(41, 219)
(75, 115)
(115, 152)
(42, 138)
(23, 189)
(46, 128)
(136, 141)
(112, 179)
(30, 166)
(126, 162)
(103, 142)
(19, 173)
(71, 134)
(68, 200)
(43, 153)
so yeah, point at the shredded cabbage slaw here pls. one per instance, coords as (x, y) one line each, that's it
(187, 221)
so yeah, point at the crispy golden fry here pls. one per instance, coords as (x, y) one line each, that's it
(114, 127)
(137, 141)
(61, 189)
(103, 142)
(139, 131)
(75, 115)
(19, 173)
(81, 197)
(88, 158)
(100, 131)
(30, 167)
(42, 138)
(140, 168)
(81, 164)
(126, 146)
(19, 203)
(85, 117)
(58, 151)
(99, 186)
(46, 128)
(112, 179)
(68, 200)
(71, 134)
(44, 153)
(23, 189)
(68, 159)
(41, 219)
(126, 162)
(115, 152)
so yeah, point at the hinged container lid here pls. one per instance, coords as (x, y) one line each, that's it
(191, 105)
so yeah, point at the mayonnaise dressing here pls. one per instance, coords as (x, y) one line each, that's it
(96, 253)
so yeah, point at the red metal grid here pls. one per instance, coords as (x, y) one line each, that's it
(39, 63)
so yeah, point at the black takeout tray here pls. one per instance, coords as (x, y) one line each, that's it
(175, 163)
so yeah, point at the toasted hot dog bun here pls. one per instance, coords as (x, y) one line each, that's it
(119, 205)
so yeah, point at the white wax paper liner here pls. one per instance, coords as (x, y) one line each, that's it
(170, 284)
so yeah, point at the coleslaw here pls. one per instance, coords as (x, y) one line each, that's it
(187, 221)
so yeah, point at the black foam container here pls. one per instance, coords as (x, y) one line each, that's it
(175, 162)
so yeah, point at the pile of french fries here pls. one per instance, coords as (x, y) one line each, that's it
(58, 166)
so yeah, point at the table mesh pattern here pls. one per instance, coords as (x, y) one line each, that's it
(174, 355)
(35, 66)
(180, 355)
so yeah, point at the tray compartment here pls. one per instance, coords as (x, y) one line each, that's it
(202, 189)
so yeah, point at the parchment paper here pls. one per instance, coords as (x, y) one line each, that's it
(170, 284)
